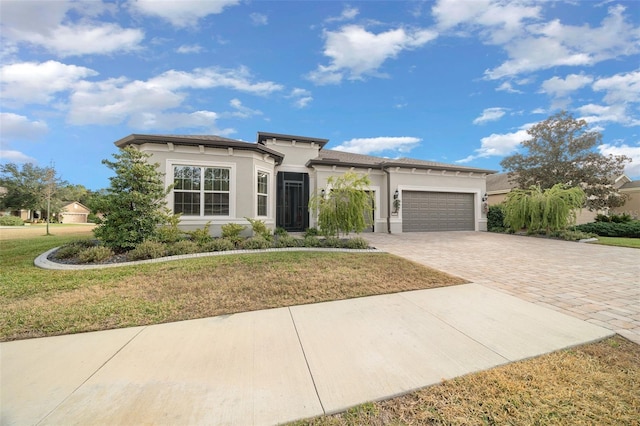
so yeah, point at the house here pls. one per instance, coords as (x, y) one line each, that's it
(74, 212)
(498, 186)
(221, 180)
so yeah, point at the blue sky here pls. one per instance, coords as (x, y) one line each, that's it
(450, 81)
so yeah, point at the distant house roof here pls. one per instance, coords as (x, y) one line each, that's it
(499, 182)
(196, 140)
(330, 157)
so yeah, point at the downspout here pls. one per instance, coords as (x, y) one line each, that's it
(384, 169)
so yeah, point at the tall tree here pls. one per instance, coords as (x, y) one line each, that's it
(562, 150)
(134, 205)
(30, 187)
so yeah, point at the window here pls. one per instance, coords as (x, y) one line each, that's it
(201, 191)
(263, 193)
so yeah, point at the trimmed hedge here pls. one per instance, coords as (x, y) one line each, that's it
(11, 221)
(611, 229)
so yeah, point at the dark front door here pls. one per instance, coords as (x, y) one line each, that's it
(293, 200)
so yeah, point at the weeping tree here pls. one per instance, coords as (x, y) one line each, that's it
(344, 206)
(548, 210)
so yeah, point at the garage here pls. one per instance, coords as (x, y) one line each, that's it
(437, 211)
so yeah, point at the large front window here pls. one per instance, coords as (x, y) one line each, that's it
(201, 191)
(263, 193)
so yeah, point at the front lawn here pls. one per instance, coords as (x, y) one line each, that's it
(618, 241)
(38, 302)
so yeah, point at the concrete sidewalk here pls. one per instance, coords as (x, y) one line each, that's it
(279, 365)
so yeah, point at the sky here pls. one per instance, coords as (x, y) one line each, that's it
(453, 81)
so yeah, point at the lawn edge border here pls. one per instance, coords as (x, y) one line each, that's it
(43, 262)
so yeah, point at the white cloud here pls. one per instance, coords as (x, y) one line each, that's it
(259, 19)
(632, 169)
(507, 87)
(593, 113)
(348, 13)
(241, 111)
(620, 87)
(16, 157)
(19, 127)
(558, 87)
(355, 52)
(490, 114)
(499, 21)
(499, 144)
(33, 82)
(189, 48)
(301, 97)
(48, 24)
(174, 120)
(117, 100)
(551, 44)
(185, 13)
(400, 144)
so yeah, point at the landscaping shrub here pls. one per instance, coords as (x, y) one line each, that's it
(202, 235)
(310, 241)
(183, 247)
(256, 243)
(602, 218)
(170, 233)
(287, 241)
(260, 228)
(281, 232)
(232, 232)
(357, 243)
(333, 242)
(620, 218)
(495, 218)
(95, 254)
(73, 249)
(147, 250)
(571, 235)
(11, 221)
(311, 232)
(611, 229)
(219, 244)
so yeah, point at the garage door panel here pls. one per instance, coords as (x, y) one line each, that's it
(437, 211)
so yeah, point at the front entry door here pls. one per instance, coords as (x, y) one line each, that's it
(293, 200)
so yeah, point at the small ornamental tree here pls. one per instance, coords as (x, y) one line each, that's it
(134, 206)
(345, 206)
(553, 209)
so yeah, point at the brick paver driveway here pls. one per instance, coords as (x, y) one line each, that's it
(599, 284)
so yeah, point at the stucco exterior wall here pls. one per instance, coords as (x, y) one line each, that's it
(632, 205)
(243, 166)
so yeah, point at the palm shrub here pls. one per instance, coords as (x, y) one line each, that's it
(542, 211)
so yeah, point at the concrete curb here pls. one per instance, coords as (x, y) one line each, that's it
(44, 263)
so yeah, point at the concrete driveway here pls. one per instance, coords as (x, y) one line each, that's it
(595, 283)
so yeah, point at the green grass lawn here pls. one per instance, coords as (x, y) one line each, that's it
(37, 302)
(618, 241)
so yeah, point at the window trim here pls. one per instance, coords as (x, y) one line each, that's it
(169, 179)
(268, 194)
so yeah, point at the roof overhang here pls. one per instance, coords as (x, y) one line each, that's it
(264, 136)
(212, 142)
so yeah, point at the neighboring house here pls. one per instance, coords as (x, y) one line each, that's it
(498, 186)
(74, 212)
(631, 188)
(220, 180)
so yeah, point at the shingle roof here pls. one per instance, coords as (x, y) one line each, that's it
(499, 182)
(349, 159)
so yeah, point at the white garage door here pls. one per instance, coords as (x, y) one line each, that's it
(437, 211)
